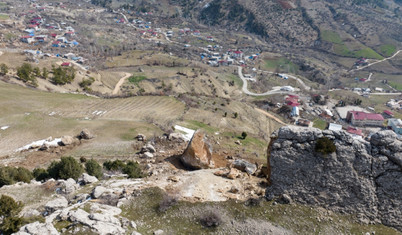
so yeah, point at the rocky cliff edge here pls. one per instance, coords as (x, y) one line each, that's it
(362, 178)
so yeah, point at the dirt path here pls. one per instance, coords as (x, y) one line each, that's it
(396, 53)
(270, 116)
(120, 83)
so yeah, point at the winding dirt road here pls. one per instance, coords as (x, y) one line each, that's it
(120, 83)
(396, 53)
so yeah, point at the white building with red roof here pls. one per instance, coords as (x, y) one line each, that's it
(358, 118)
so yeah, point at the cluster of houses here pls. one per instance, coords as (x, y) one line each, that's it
(361, 62)
(395, 104)
(48, 32)
(216, 59)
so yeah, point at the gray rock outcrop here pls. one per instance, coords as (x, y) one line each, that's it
(245, 166)
(86, 134)
(363, 178)
(38, 228)
(56, 204)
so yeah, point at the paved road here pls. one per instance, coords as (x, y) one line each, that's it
(396, 53)
(289, 76)
(246, 91)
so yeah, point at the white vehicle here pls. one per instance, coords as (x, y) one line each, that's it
(287, 88)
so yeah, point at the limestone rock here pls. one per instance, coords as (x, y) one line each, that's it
(245, 166)
(141, 137)
(147, 155)
(38, 228)
(98, 191)
(359, 178)
(87, 179)
(148, 148)
(68, 186)
(56, 204)
(86, 134)
(67, 140)
(159, 232)
(108, 218)
(198, 154)
(176, 136)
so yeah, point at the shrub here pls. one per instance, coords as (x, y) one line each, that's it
(3, 69)
(9, 210)
(132, 169)
(325, 146)
(83, 159)
(167, 202)
(244, 135)
(40, 174)
(93, 168)
(116, 165)
(11, 175)
(211, 219)
(67, 168)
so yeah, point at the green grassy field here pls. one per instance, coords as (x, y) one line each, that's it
(344, 49)
(281, 64)
(4, 17)
(320, 124)
(387, 49)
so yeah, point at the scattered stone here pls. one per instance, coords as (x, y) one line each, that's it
(86, 134)
(285, 199)
(234, 189)
(221, 173)
(198, 154)
(176, 136)
(147, 155)
(233, 174)
(159, 232)
(68, 186)
(98, 191)
(135, 233)
(87, 179)
(141, 137)
(174, 178)
(56, 204)
(148, 148)
(105, 218)
(238, 142)
(245, 166)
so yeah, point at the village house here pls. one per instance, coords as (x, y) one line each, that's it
(358, 118)
(237, 54)
(334, 127)
(387, 114)
(396, 125)
(27, 39)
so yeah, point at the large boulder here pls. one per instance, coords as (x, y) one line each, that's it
(67, 140)
(87, 179)
(68, 186)
(56, 204)
(98, 191)
(86, 134)
(198, 154)
(360, 177)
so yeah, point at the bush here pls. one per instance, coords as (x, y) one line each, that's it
(67, 168)
(211, 219)
(62, 76)
(83, 159)
(40, 174)
(3, 69)
(93, 168)
(11, 175)
(325, 146)
(116, 165)
(9, 210)
(244, 135)
(167, 202)
(132, 169)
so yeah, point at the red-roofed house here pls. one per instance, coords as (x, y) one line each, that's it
(387, 114)
(354, 131)
(237, 54)
(65, 64)
(358, 118)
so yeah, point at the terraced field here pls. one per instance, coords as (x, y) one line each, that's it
(34, 115)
